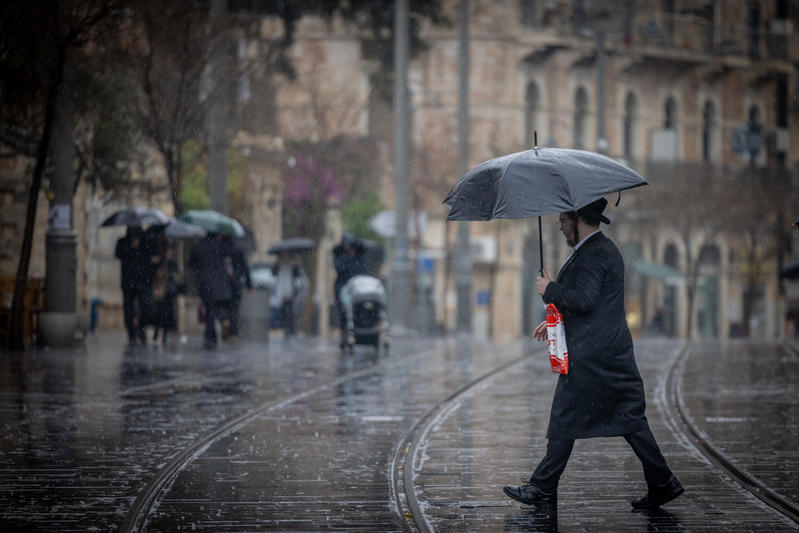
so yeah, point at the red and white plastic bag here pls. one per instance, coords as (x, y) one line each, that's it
(556, 335)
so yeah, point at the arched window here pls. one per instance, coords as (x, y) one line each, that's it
(580, 112)
(529, 13)
(708, 295)
(530, 113)
(630, 111)
(708, 124)
(671, 256)
(754, 115)
(669, 315)
(667, 9)
(753, 28)
(754, 138)
(670, 113)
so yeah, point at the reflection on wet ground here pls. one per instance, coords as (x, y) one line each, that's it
(287, 436)
(744, 398)
(495, 433)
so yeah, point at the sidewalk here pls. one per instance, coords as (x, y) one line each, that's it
(742, 403)
(295, 436)
(496, 432)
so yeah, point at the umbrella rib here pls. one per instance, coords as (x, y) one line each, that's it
(501, 178)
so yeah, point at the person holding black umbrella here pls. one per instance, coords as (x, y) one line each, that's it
(603, 393)
(207, 260)
(134, 279)
(238, 272)
(348, 260)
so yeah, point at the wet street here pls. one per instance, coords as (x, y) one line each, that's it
(297, 436)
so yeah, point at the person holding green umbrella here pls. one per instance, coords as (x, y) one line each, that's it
(207, 260)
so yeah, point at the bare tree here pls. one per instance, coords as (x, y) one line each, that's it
(168, 54)
(36, 42)
(687, 199)
(754, 208)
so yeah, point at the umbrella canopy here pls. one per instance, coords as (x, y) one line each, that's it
(296, 244)
(179, 230)
(136, 216)
(213, 221)
(536, 182)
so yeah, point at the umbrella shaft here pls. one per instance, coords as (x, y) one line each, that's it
(540, 247)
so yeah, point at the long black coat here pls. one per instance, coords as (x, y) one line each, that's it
(207, 262)
(603, 394)
(135, 269)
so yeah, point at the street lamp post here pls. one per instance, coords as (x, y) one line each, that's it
(400, 283)
(463, 271)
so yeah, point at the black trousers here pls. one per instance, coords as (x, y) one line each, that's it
(656, 471)
(131, 311)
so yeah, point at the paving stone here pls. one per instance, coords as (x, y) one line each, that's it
(85, 432)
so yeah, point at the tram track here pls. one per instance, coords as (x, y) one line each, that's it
(405, 456)
(407, 452)
(137, 515)
(713, 453)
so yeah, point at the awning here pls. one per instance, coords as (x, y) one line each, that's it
(657, 270)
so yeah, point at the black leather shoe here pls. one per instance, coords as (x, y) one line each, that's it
(530, 494)
(657, 496)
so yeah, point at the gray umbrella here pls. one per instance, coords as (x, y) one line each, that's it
(136, 216)
(296, 245)
(177, 229)
(537, 182)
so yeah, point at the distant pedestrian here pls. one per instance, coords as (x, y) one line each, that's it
(214, 285)
(289, 279)
(238, 272)
(134, 278)
(349, 260)
(603, 394)
(159, 301)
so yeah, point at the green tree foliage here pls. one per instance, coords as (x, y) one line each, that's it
(195, 178)
(357, 214)
(343, 171)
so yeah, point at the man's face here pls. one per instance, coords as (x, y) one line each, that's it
(567, 228)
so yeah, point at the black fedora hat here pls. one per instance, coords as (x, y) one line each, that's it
(595, 209)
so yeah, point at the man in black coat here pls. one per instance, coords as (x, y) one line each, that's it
(207, 260)
(349, 261)
(238, 272)
(603, 394)
(134, 279)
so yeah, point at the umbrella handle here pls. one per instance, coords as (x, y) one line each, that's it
(540, 247)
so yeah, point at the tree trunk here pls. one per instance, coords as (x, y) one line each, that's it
(16, 330)
(218, 115)
(173, 161)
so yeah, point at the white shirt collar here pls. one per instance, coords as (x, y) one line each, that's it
(584, 239)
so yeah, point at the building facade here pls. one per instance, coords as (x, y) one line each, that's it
(699, 96)
(686, 92)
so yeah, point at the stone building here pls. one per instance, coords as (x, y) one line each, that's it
(699, 96)
(686, 92)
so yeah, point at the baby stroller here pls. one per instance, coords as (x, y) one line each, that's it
(363, 299)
